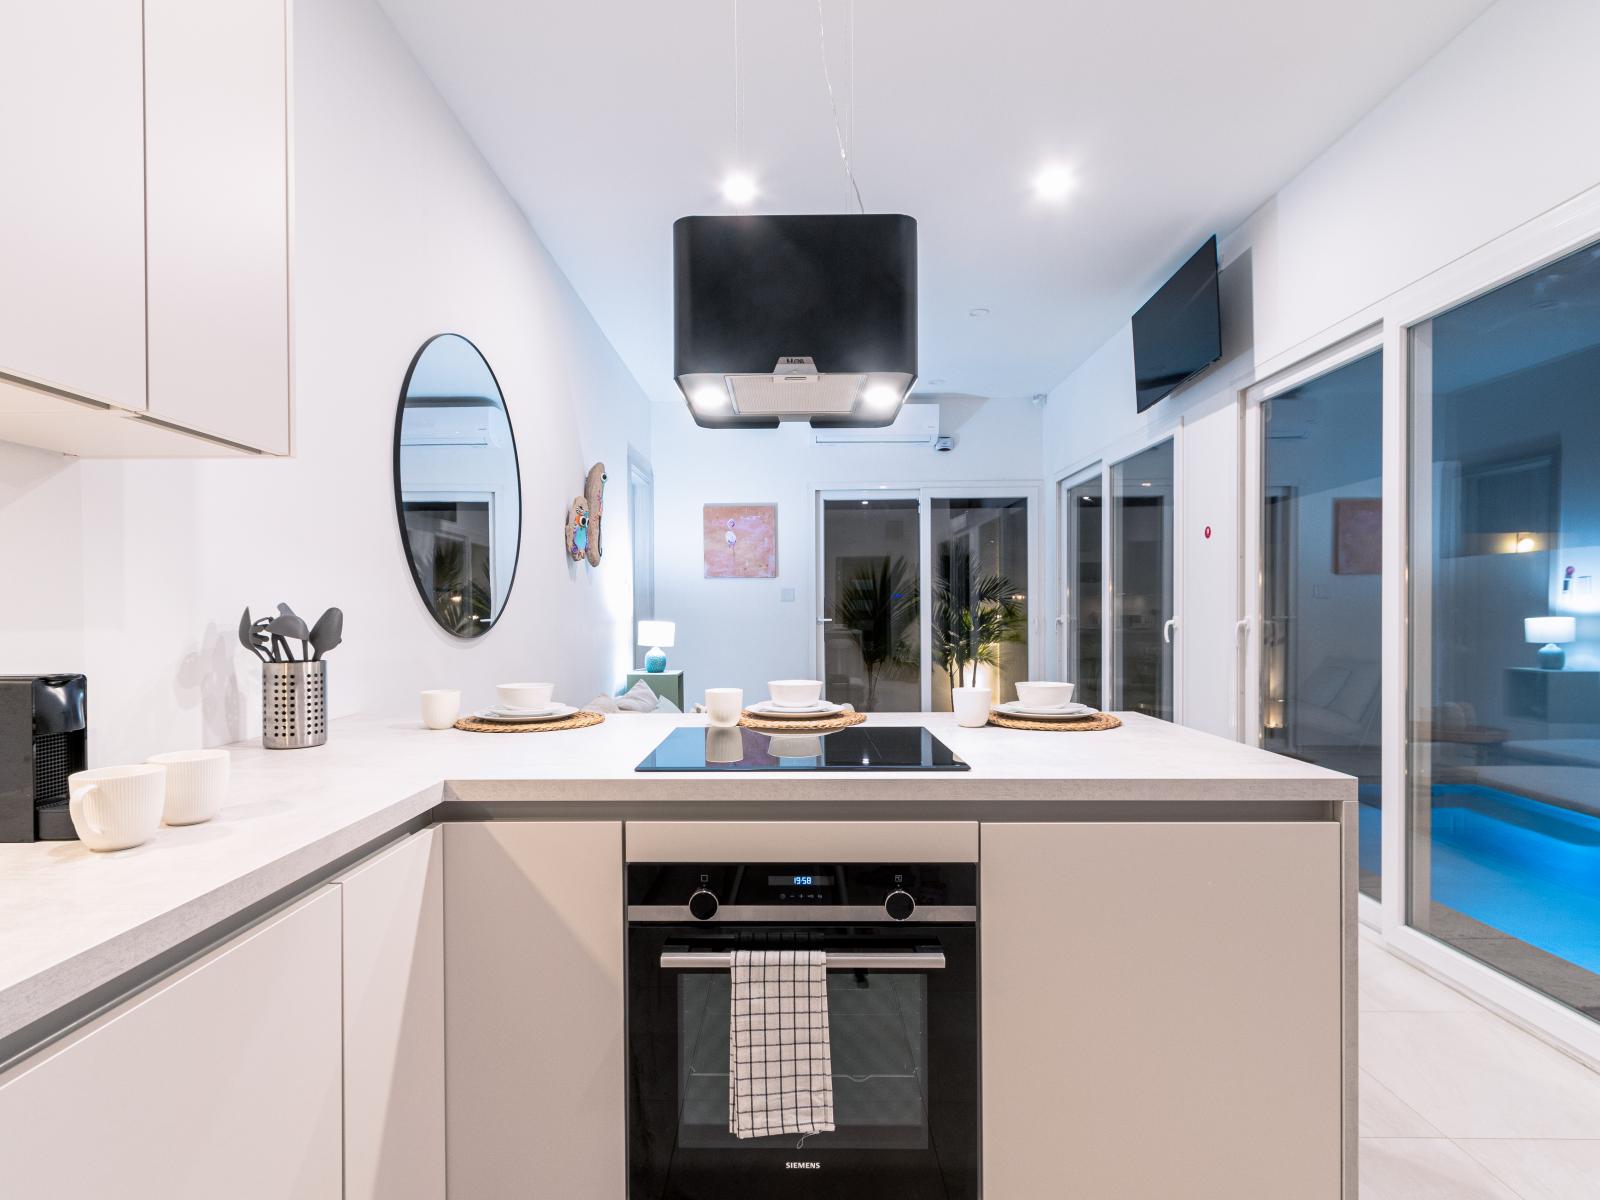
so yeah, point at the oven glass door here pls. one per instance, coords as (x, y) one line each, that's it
(905, 1071)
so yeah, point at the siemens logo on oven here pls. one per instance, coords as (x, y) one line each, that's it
(802, 1166)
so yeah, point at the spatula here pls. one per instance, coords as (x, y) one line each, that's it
(327, 633)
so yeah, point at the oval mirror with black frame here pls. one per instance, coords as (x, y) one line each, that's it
(457, 490)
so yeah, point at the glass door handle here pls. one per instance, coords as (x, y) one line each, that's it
(1166, 630)
(824, 620)
(910, 960)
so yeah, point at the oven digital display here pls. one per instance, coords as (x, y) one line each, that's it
(799, 880)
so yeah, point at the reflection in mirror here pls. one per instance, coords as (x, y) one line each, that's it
(456, 485)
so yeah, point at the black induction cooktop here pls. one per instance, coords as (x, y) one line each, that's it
(862, 748)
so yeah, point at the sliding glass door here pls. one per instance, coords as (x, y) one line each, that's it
(871, 558)
(979, 615)
(1321, 669)
(919, 589)
(1504, 804)
(1143, 622)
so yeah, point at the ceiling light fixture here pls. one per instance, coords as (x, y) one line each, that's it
(977, 312)
(708, 399)
(880, 396)
(739, 188)
(1054, 184)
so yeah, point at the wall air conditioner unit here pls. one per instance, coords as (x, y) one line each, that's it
(916, 425)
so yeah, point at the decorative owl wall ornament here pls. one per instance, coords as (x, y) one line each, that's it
(594, 489)
(578, 529)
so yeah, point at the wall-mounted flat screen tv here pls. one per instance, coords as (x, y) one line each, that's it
(1178, 332)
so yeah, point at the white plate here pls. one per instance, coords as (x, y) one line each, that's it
(511, 710)
(821, 708)
(556, 712)
(1066, 712)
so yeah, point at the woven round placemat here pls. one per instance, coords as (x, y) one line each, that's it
(581, 719)
(789, 725)
(1082, 725)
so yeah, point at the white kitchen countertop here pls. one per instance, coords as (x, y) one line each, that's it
(73, 921)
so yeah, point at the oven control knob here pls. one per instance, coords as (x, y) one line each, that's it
(702, 905)
(899, 905)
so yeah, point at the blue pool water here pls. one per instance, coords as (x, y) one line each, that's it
(1527, 868)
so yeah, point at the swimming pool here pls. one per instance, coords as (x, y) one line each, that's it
(1529, 869)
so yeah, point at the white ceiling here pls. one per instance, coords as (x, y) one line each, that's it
(609, 119)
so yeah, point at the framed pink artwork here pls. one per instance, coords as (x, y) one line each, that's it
(741, 541)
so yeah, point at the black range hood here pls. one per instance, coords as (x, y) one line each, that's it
(785, 318)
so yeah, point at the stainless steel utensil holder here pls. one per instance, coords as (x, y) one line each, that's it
(294, 705)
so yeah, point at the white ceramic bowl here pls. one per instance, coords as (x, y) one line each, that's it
(525, 695)
(794, 693)
(1044, 695)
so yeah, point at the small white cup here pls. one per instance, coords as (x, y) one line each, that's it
(794, 693)
(440, 707)
(197, 781)
(525, 695)
(113, 808)
(723, 707)
(971, 705)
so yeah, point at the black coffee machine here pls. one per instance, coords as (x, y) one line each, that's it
(44, 737)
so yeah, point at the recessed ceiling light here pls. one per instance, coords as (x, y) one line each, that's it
(935, 382)
(977, 312)
(739, 188)
(1054, 183)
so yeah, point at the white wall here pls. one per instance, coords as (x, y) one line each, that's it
(1489, 134)
(741, 632)
(136, 572)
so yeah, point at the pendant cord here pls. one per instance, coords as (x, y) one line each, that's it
(738, 93)
(838, 132)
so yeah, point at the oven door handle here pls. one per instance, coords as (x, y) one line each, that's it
(911, 960)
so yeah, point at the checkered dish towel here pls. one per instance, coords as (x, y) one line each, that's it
(780, 1064)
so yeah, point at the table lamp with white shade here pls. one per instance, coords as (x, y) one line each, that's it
(1550, 633)
(656, 634)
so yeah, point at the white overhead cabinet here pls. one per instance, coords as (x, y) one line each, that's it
(72, 203)
(222, 1080)
(144, 224)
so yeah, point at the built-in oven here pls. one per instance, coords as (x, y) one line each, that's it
(902, 994)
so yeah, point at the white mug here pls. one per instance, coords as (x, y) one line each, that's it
(113, 808)
(440, 707)
(197, 781)
(971, 705)
(724, 706)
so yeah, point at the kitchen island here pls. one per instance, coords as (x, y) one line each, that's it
(1138, 887)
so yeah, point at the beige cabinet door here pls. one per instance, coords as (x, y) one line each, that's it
(72, 203)
(217, 172)
(534, 1010)
(1162, 1011)
(222, 1080)
(394, 1022)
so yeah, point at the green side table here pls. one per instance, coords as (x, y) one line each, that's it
(662, 683)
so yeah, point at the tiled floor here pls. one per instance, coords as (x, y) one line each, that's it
(1457, 1104)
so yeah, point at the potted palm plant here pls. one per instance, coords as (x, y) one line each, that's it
(973, 616)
